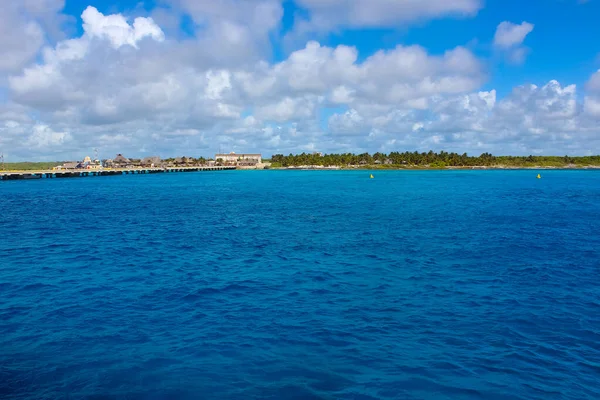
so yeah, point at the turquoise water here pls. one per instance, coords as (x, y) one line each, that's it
(302, 285)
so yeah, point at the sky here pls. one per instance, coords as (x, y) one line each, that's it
(197, 77)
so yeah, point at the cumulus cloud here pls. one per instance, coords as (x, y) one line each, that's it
(231, 32)
(591, 106)
(593, 85)
(348, 123)
(68, 70)
(529, 119)
(117, 30)
(509, 39)
(42, 136)
(24, 27)
(591, 102)
(399, 75)
(125, 86)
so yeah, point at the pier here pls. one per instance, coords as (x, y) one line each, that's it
(80, 173)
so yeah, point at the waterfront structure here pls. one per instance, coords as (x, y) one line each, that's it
(182, 161)
(233, 158)
(67, 166)
(151, 162)
(87, 163)
(121, 162)
(247, 163)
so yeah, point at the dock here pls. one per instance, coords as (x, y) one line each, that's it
(80, 173)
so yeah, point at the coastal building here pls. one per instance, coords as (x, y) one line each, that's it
(247, 163)
(93, 166)
(67, 166)
(234, 158)
(183, 161)
(121, 162)
(151, 162)
(87, 163)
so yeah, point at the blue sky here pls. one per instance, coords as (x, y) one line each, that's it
(176, 76)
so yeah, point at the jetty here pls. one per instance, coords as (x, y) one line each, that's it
(80, 173)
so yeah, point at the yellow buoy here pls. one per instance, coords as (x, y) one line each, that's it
(372, 176)
(539, 176)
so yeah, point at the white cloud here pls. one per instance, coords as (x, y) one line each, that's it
(348, 123)
(232, 32)
(593, 84)
(509, 39)
(124, 86)
(342, 95)
(117, 30)
(591, 102)
(23, 27)
(509, 35)
(328, 14)
(546, 118)
(169, 89)
(288, 109)
(43, 137)
(67, 74)
(218, 82)
(591, 105)
(398, 75)
(549, 105)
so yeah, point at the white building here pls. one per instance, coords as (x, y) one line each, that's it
(234, 158)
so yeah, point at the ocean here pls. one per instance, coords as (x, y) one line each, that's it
(301, 285)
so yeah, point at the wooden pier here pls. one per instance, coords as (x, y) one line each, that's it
(79, 173)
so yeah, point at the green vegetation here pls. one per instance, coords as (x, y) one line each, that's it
(30, 166)
(430, 160)
(190, 160)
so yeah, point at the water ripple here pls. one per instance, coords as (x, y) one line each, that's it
(301, 285)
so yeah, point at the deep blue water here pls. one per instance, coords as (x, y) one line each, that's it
(301, 285)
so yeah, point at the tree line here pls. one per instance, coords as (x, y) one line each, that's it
(429, 159)
(190, 160)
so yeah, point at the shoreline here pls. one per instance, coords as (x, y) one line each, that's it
(118, 171)
(423, 168)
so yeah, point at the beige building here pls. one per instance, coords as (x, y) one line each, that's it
(239, 158)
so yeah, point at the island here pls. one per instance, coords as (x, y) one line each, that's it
(121, 165)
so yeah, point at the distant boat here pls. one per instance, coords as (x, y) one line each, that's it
(539, 176)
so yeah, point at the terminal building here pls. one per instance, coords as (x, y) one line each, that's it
(239, 159)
